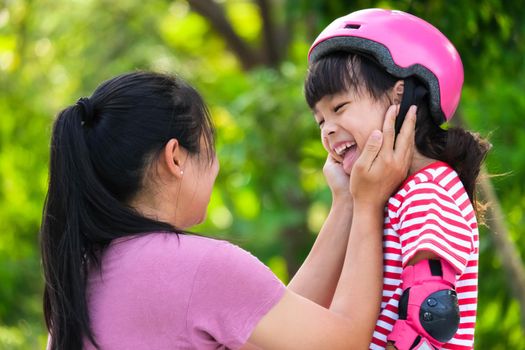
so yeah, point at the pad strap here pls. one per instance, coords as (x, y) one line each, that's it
(406, 338)
(426, 271)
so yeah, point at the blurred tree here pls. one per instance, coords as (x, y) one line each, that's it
(249, 60)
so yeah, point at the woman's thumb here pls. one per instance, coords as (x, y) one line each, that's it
(371, 149)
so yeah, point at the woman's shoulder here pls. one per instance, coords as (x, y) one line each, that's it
(167, 246)
(159, 243)
(205, 260)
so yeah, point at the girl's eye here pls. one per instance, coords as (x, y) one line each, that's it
(320, 123)
(339, 106)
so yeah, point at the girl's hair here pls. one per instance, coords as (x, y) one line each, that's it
(344, 71)
(101, 149)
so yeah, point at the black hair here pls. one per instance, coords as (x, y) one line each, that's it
(101, 148)
(343, 71)
(351, 71)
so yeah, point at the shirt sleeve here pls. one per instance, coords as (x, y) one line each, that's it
(232, 291)
(430, 219)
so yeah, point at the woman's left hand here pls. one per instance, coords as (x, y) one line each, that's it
(385, 160)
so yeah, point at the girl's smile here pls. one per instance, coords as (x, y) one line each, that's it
(346, 121)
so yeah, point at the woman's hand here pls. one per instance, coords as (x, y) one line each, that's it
(385, 160)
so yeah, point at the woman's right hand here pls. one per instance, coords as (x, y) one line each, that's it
(385, 160)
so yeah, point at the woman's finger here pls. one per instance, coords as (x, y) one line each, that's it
(370, 151)
(389, 127)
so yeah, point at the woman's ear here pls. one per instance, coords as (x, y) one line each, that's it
(172, 159)
(397, 92)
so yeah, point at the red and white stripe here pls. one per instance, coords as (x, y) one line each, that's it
(432, 212)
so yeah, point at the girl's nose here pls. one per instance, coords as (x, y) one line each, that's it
(329, 128)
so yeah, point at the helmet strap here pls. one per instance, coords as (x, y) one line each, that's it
(413, 94)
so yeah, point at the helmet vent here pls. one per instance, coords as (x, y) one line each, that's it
(352, 26)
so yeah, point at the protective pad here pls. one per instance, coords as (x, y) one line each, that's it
(439, 315)
(428, 308)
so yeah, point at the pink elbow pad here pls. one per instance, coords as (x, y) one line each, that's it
(428, 308)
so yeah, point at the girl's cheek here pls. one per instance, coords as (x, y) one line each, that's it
(325, 143)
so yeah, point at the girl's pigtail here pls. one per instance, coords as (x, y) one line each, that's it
(465, 152)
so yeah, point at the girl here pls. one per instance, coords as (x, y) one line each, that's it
(360, 64)
(131, 169)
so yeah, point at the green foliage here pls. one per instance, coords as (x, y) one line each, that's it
(270, 195)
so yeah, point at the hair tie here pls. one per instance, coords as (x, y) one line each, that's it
(88, 114)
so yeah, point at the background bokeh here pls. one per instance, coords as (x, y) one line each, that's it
(248, 58)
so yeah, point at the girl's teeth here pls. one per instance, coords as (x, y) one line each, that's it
(342, 149)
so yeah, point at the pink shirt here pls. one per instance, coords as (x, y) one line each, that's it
(167, 291)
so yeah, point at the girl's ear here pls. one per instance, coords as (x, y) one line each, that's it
(397, 92)
(172, 159)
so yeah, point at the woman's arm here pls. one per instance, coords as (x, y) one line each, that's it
(296, 322)
(318, 276)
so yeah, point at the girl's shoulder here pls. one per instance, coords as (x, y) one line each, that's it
(437, 180)
(438, 172)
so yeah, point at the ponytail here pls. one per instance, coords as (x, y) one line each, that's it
(463, 150)
(63, 244)
(83, 214)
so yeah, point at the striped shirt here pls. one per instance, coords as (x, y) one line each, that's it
(431, 211)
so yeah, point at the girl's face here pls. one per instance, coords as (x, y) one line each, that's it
(346, 121)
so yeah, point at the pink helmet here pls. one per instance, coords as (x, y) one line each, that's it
(405, 46)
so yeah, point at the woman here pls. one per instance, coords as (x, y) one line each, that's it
(132, 168)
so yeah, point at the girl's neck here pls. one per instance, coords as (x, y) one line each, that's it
(419, 161)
